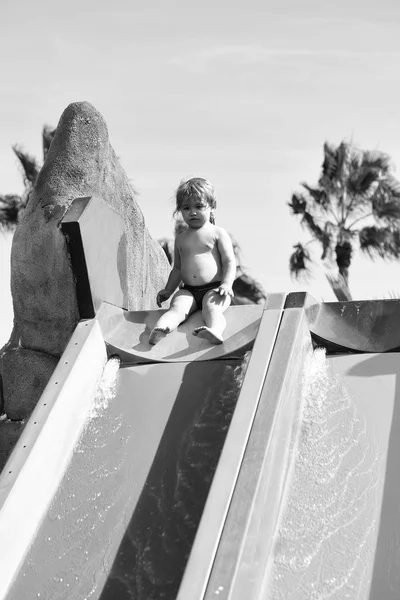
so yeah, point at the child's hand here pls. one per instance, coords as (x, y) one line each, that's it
(162, 296)
(224, 290)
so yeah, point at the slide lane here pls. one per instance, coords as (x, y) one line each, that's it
(137, 477)
(316, 507)
(36, 466)
(126, 488)
(338, 530)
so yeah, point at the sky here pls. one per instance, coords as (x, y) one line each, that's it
(242, 93)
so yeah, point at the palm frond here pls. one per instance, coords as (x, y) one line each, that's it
(11, 208)
(392, 244)
(371, 240)
(180, 226)
(247, 290)
(363, 181)
(298, 261)
(393, 294)
(29, 165)
(375, 159)
(329, 165)
(48, 133)
(355, 161)
(309, 223)
(385, 208)
(327, 238)
(168, 246)
(319, 195)
(391, 186)
(383, 242)
(240, 267)
(344, 154)
(298, 204)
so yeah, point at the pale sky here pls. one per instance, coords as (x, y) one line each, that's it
(242, 93)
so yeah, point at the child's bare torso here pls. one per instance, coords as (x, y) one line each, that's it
(199, 254)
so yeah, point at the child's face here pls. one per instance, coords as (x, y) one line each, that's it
(195, 212)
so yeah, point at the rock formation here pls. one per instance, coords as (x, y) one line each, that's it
(80, 163)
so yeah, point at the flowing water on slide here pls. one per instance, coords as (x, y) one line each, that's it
(86, 498)
(140, 474)
(326, 536)
(327, 530)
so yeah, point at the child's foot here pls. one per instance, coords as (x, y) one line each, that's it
(208, 334)
(157, 334)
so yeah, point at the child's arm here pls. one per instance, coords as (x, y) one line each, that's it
(174, 278)
(228, 262)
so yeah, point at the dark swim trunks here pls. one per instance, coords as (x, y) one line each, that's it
(198, 291)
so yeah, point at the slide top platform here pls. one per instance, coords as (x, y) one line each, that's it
(126, 334)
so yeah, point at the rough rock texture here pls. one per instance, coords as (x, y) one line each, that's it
(37, 368)
(9, 434)
(80, 162)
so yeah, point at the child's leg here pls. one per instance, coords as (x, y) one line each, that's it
(214, 306)
(182, 305)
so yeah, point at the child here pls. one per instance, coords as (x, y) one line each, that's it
(204, 263)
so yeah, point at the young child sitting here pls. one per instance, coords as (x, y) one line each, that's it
(204, 263)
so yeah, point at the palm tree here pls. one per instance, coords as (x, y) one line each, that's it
(356, 205)
(12, 205)
(246, 289)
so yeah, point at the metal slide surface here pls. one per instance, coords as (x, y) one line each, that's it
(338, 530)
(124, 517)
(316, 508)
(299, 441)
(127, 335)
(143, 466)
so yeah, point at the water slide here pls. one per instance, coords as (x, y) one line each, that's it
(264, 468)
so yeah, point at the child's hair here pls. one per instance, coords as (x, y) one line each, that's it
(196, 187)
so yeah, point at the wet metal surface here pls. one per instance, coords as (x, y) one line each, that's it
(338, 535)
(127, 335)
(127, 510)
(365, 326)
(245, 545)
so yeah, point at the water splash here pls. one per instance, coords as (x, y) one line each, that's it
(325, 541)
(106, 389)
